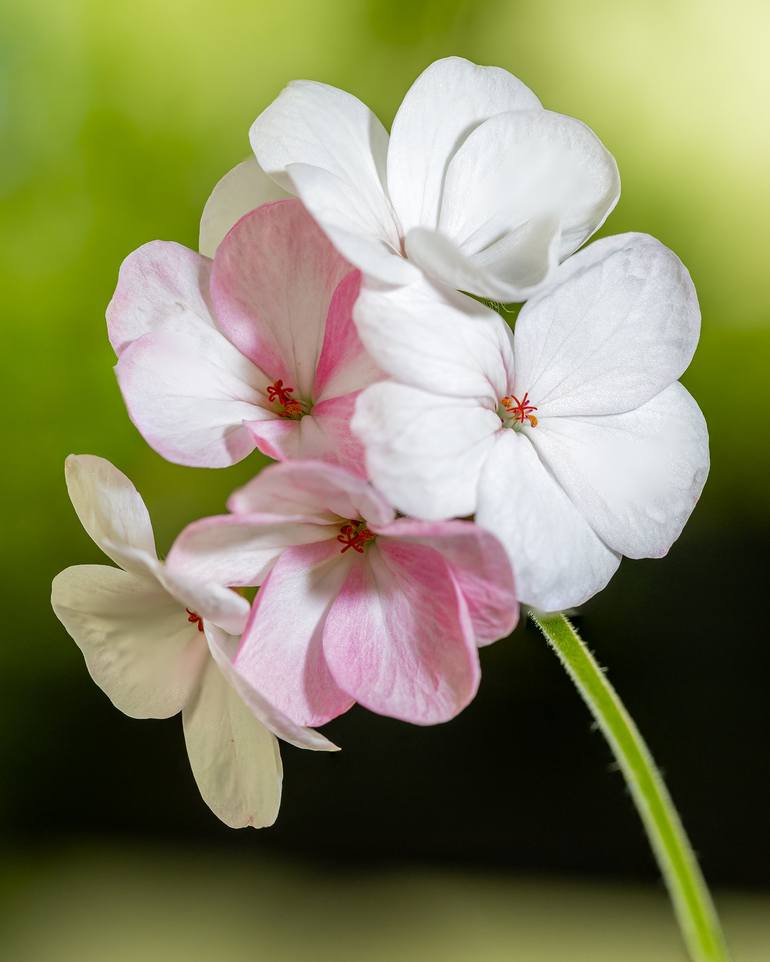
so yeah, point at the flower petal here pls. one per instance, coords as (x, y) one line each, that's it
(234, 758)
(273, 280)
(223, 647)
(110, 509)
(139, 647)
(281, 653)
(436, 339)
(242, 189)
(398, 637)
(423, 451)
(479, 566)
(620, 326)
(313, 490)
(447, 101)
(189, 392)
(636, 476)
(159, 281)
(558, 561)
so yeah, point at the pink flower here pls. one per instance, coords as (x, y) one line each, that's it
(355, 604)
(254, 349)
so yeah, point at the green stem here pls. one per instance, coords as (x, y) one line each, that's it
(687, 889)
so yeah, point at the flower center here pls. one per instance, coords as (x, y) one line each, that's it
(355, 535)
(194, 618)
(517, 411)
(290, 407)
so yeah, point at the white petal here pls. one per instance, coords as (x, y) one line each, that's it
(242, 189)
(436, 339)
(138, 644)
(424, 451)
(620, 326)
(635, 477)
(234, 758)
(110, 509)
(557, 559)
(447, 101)
(223, 648)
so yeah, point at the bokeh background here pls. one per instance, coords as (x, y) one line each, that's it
(505, 834)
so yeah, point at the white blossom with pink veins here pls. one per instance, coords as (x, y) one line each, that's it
(253, 349)
(571, 439)
(158, 643)
(354, 604)
(478, 186)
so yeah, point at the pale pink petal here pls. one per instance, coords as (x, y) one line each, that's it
(189, 392)
(159, 281)
(277, 438)
(242, 189)
(343, 365)
(398, 636)
(311, 489)
(273, 279)
(479, 566)
(281, 653)
(138, 644)
(223, 648)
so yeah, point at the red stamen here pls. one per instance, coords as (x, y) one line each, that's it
(194, 618)
(520, 410)
(283, 396)
(355, 535)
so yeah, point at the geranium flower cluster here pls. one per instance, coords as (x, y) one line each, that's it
(328, 322)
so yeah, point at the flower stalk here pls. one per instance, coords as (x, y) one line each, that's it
(687, 889)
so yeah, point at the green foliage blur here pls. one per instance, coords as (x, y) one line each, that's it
(116, 119)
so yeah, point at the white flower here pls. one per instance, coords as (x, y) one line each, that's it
(571, 440)
(158, 643)
(479, 186)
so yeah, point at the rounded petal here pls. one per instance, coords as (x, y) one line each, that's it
(159, 281)
(436, 339)
(138, 644)
(321, 492)
(223, 647)
(479, 566)
(242, 189)
(281, 652)
(425, 452)
(234, 758)
(398, 637)
(273, 280)
(621, 324)
(558, 561)
(447, 101)
(110, 509)
(191, 394)
(635, 477)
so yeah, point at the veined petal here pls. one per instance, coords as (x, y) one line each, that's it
(110, 509)
(322, 492)
(558, 561)
(436, 339)
(281, 652)
(425, 452)
(398, 637)
(223, 648)
(189, 392)
(636, 476)
(242, 189)
(273, 280)
(479, 566)
(621, 324)
(334, 441)
(157, 282)
(138, 644)
(447, 101)
(234, 758)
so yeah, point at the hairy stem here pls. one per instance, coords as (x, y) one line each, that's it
(691, 899)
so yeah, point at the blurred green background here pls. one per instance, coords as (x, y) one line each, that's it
(505, 834)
